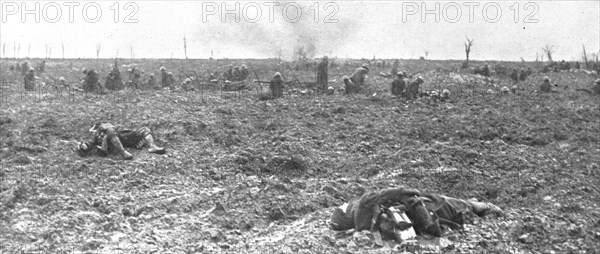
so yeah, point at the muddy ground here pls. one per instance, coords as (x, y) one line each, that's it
(244, 175)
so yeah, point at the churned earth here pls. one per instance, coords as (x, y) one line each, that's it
(244, 175)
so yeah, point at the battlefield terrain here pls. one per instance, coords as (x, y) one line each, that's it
(244, 174)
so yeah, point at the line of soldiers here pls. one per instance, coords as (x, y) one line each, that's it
(402, 87)
(236, 73)
(353, 84)
(522, 75)
(114, 81)
(24, 67)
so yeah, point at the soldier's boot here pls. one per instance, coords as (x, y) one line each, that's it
(153, 148)
(121, 152)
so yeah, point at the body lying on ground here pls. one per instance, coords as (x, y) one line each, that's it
(595, 89)
(429, 213)
(109, 139)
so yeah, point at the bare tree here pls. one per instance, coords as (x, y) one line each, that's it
(301, 53)
(426, 53)
(98, 51)
(131, 51)
(585, 59)
(19, 50)
(63, 51)
(549, 50)
(468, 46)
(185, 47)
(28, 50)
(49, 52)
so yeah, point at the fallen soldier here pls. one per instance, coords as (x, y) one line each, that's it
(546, 87)
(393, 212)
(108, 139)
(595, 89)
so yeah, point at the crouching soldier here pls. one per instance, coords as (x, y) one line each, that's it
(388, 212)
(359, 76)
(29, 80)
(546, 87)
(445, 95)
(595, 89)
(276, 86)
(151, 83)
(349, 86)
(134, 77)
(109, 139)
(330, 90)
(399, 84)
(413, 88)
(91, 82)
(244, 73)
(187, 85)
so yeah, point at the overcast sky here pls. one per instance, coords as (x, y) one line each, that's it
(385, 29)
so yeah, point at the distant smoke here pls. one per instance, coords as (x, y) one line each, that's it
(269, 39)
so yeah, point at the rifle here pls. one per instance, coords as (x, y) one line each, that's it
(284, 78)
(259, 82)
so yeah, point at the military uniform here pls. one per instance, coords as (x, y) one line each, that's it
(514, 75)
(114, 80)
(359, 75)
(276, 86)
(91, 82)
(546, 87)
(596, 87)
(236, 74)
(151, 83)
(24, 68)
(428, 213)
(187, 85)
(349, 87)
(244, 73)
(29, 80)
(170, 81)
(108, 138)
(399, 85)
(522, 75)
(164, 79)
(134, 77)
(413, 88)
(228, 75)
(486, 70)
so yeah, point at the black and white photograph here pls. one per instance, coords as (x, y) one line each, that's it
(240, 126)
